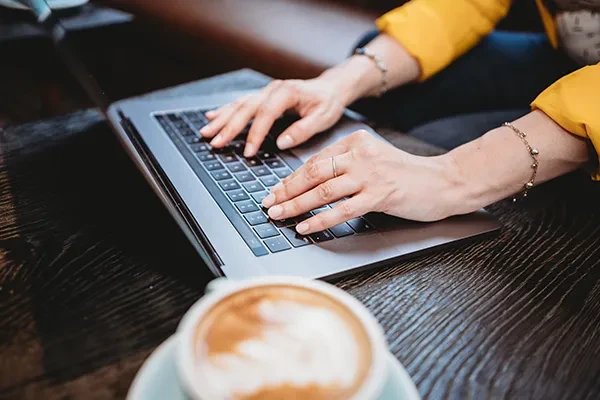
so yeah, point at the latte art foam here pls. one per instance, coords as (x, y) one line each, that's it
(281, 342)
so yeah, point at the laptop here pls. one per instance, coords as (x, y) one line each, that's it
(215, 196)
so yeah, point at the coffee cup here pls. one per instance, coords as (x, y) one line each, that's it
(280, 338)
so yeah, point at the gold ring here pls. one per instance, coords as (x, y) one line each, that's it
(333, 167)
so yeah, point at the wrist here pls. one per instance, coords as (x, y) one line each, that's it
(355, 78)
(467, 191)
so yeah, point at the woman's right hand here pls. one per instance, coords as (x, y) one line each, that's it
(317, 101)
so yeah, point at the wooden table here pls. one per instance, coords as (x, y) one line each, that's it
(94, 275)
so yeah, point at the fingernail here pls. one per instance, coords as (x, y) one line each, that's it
(249, 150)
(285, 142)
(216, 141)
(268, 201)
(205, 129)
(275, 212)
(302, 227)
(210, 114)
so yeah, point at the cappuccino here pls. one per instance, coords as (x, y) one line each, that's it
(281, 342)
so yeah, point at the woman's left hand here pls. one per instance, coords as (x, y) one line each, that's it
(376, 177)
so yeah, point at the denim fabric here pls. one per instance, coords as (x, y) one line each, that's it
(494, 82)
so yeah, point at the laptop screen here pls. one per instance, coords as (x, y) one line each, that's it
(59, 36)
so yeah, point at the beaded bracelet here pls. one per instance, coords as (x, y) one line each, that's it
(533, 152)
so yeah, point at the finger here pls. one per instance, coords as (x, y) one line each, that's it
(342, 212)
(312, 174)
(212, 114)
(302, 130)
(333, 150)
(223, 115)
(281, 98)
(325, 193)
(237, 122)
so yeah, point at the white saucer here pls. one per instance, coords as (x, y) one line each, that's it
(54, 4)
(157, 378)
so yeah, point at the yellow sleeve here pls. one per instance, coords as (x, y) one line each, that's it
(436, 32)
(573, 102)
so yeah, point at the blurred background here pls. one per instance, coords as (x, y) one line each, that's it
(137, 46)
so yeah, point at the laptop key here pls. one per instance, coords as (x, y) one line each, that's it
(229, 185)
(192, 139)
(259, 196)
(281, 223)
(282, 173)
(245, 176)
(261, 171)
(252, 187)
(246, 206)
(237, 195)
(253, 162)
(266, 155)
(296, 239)
(256, 246)
(277, 244)
(228, 158)
(360, 225)
(322, 236)
(256, 218)
(195, 116)
(275, 163)
(213, 165)
(174, 117)
(302, 217)
(237, 146)
(269, 181)
(206, 157)
(236, 167)
(186, 131)
(342, 230)
(220, 175)
(266, 231)
(198, 124)
(200, 148)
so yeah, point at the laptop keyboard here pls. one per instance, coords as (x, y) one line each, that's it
(239, 185)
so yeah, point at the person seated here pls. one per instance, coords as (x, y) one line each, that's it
(441, 58)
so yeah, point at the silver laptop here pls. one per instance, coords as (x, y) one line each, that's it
(215, 196)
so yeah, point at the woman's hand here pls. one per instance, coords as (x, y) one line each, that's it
(317, 101)
(377, 177)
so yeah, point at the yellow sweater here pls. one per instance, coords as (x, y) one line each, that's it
(436, 32)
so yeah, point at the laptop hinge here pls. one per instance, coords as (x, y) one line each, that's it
(208, 252)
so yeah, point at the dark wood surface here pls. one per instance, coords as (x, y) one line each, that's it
(94, 275)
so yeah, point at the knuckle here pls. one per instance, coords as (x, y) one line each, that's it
(289, 86)
(368, 152)
(346, 210)
(324, 190)
(312, 172)
(276, 83)
(361, 135)
(283, 192)
(265, 109)
(293, 208)
(239, 102)
(287, 179)
(319, 223)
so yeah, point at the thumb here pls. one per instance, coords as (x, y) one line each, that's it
(305, 128)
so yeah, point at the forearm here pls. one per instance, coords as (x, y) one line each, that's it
(359, 77)
(497, 165)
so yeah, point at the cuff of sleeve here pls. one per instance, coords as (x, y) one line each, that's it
(572, 102)
(412, 26)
